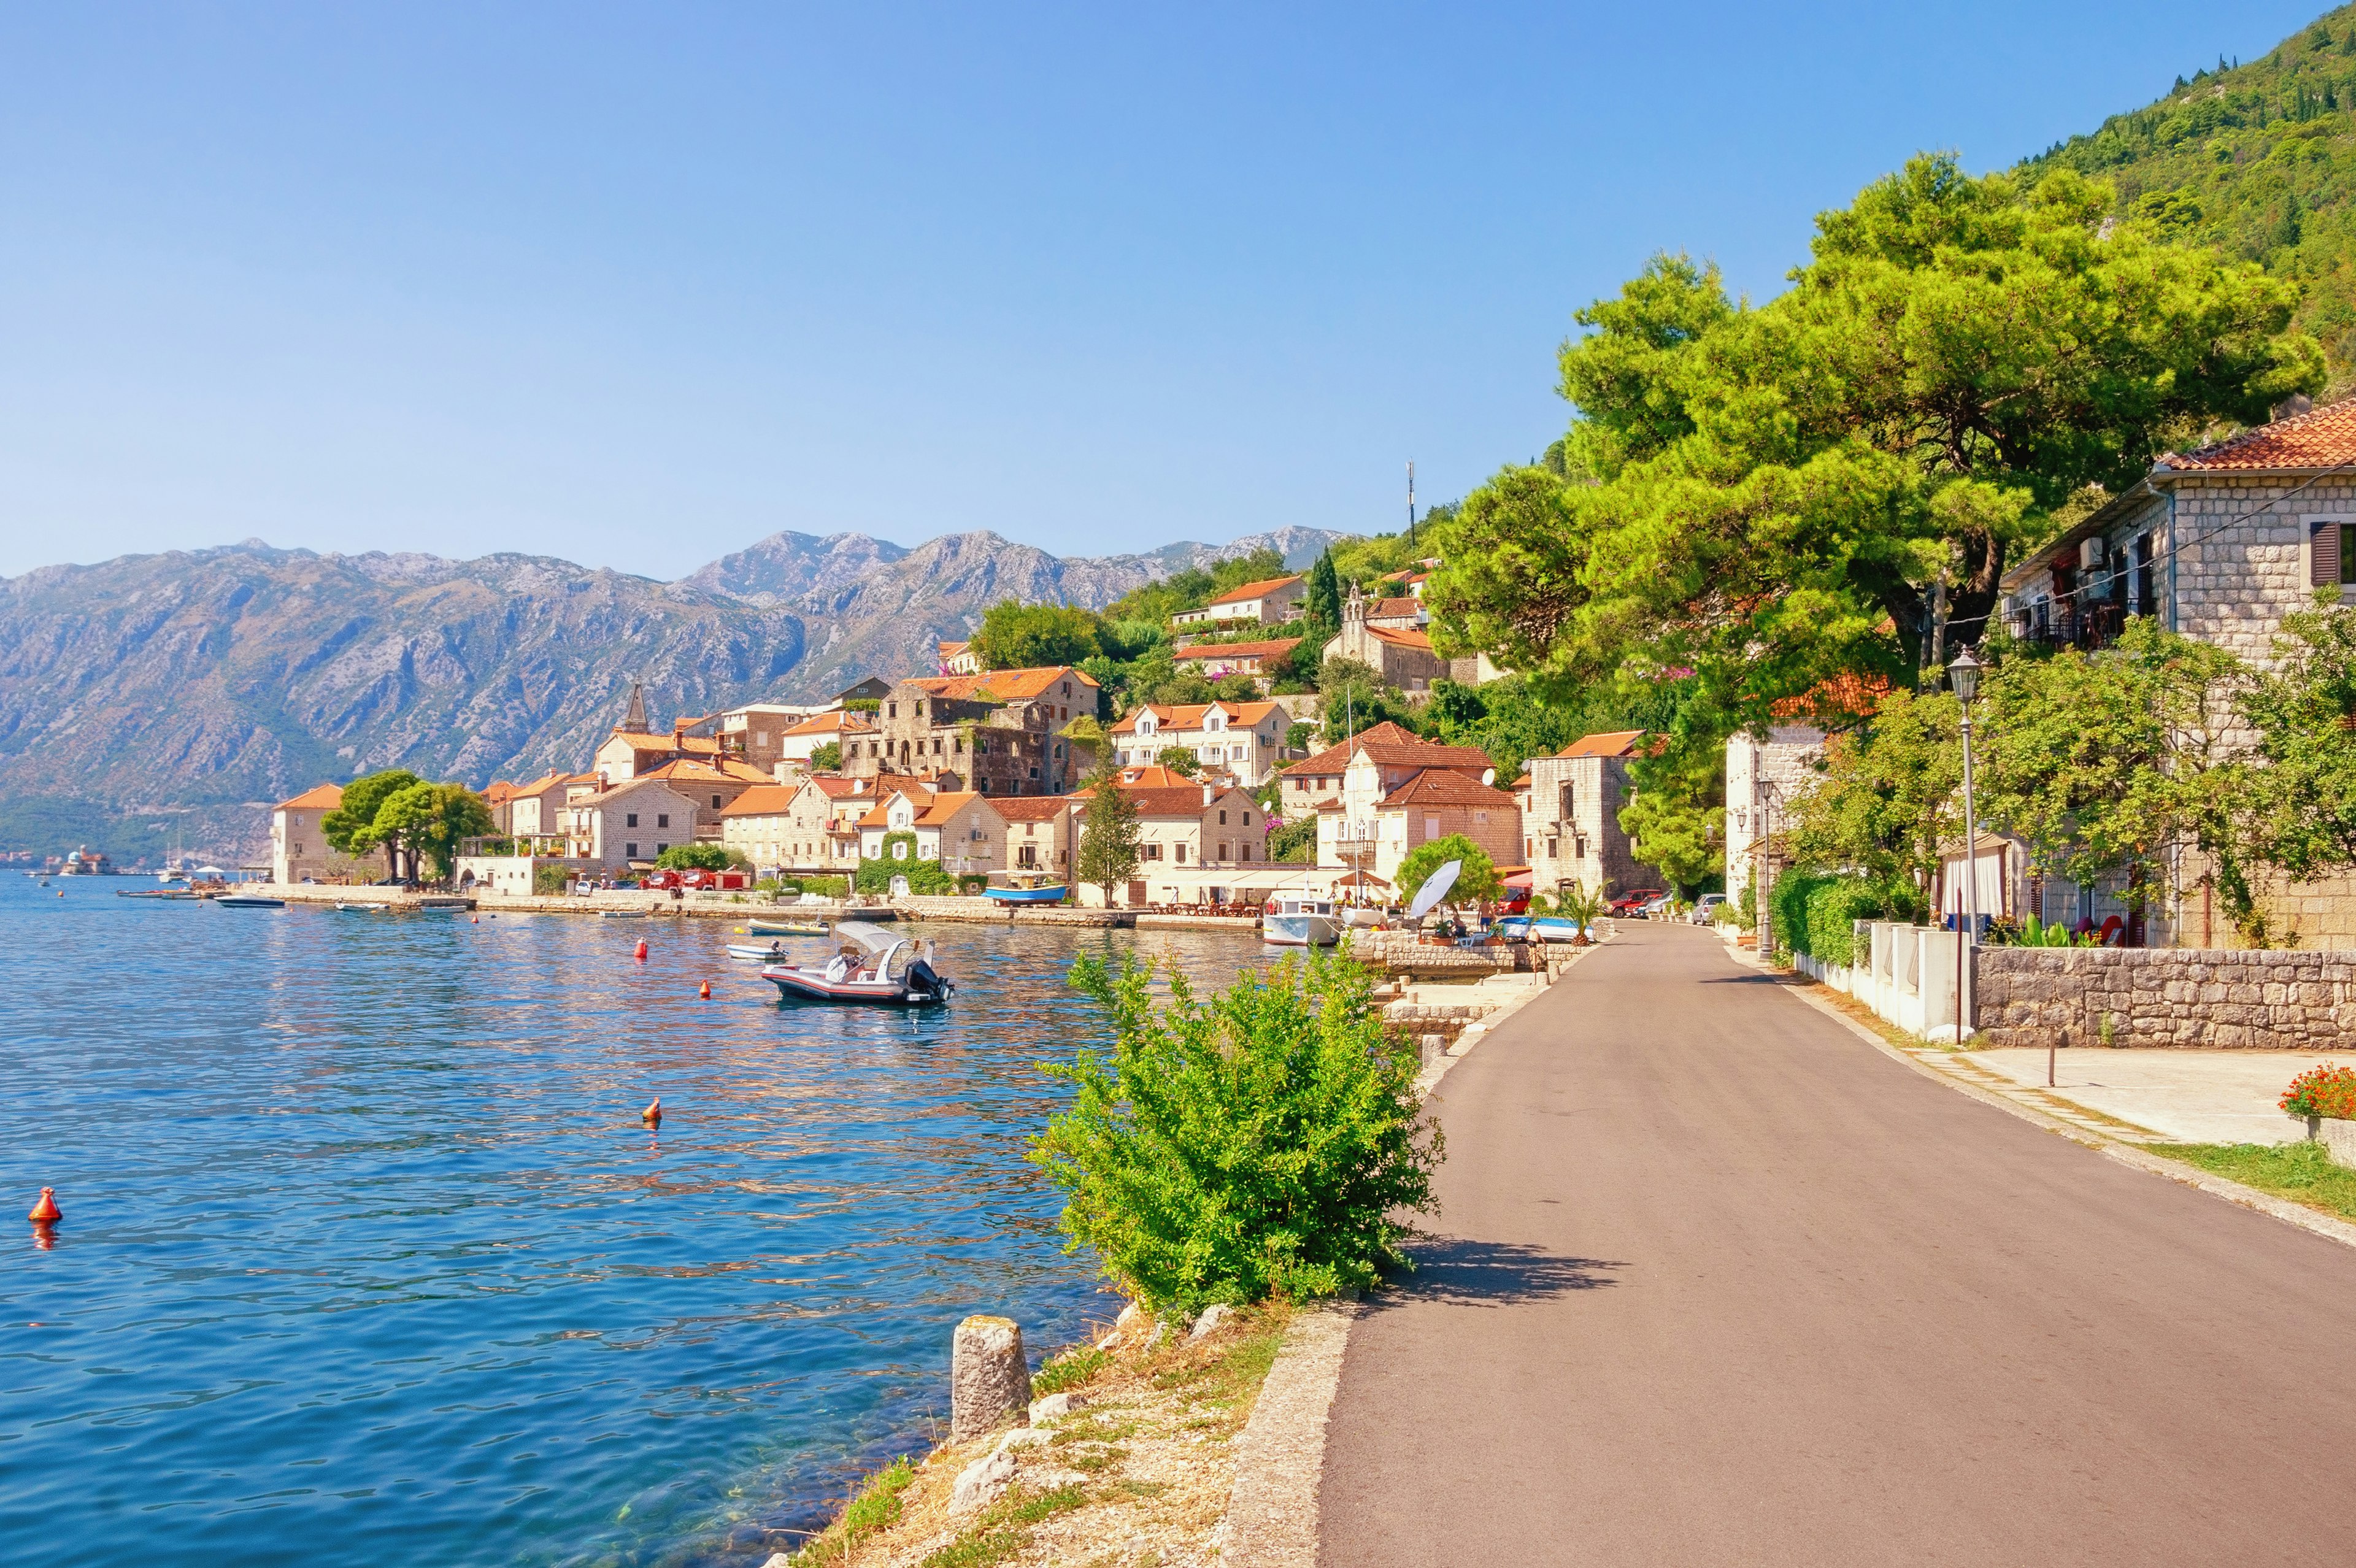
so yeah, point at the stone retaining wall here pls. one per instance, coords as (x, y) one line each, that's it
(2164, 995)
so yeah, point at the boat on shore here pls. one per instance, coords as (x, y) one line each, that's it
(355, 906)
(785, 927)
(1295, 919)
(622, 914)
(1543, 928)
(1027, 891)
(873, 966)
(177, 895)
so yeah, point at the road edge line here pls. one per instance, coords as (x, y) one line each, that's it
(2127, 1154)
(1274, 1516)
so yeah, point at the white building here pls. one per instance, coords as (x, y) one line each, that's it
(1245, 739)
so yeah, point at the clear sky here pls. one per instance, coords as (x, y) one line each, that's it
(638, 285)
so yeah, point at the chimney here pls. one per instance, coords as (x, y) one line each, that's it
(1209, 794)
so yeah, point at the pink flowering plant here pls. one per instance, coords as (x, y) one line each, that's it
(2322, 1091)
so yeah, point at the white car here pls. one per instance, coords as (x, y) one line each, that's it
(1706, 906)
(1654, 909)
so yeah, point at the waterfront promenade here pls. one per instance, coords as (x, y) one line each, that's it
(1715, 1281)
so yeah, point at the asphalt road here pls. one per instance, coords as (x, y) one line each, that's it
(1716, 1282)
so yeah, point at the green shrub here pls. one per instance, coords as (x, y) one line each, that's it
(1069, 1369)
(828, 887)
(925, 877)
(549, 881)
(971, 882)
(1266, 1142)
(1816, 912)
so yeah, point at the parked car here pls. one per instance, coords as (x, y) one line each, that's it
(1705, 907)
(1656, 908)
(1630, 903)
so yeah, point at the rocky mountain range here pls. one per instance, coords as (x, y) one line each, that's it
(159, 697)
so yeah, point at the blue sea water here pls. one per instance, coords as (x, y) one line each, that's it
(367, 1259)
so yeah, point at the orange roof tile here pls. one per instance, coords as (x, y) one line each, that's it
(319, 797)
(2325, 438)
(1401, 637)
(1267, 650)
(761, 800)
(946, 805)
(687, 770)
(1408, 606)
(839, 722)
(1186, 800)
(1616, 743)
(1190, 715)
(1249, 591)
(1845, 696)
(1445, 786)
(1000, 685)
(1029, 807)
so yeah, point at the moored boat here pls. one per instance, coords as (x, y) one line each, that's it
(1294, 920)
(786, 927)
(623, 914)
(774, 953)
(248, 901)
(871, 965)
(1545, 928)
(1027, 891)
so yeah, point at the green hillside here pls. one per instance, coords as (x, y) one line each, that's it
(2257, 159)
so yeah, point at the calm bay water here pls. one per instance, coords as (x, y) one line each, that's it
(368, 1260)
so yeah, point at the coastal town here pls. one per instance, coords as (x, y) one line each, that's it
(981, 774)
(1096, 790)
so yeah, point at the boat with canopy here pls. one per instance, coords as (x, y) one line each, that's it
(870, 965)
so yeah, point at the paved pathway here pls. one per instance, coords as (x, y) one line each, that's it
(1718, 1283)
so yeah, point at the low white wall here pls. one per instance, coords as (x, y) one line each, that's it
(1907, 976)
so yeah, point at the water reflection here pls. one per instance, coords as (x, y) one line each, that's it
(368, 1258)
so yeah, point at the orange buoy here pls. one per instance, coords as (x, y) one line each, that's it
(706, 991)
(642, 949)
(474, 920)
(652, 1115)
(46, 1212)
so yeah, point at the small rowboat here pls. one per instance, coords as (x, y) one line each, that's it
(350, 907)
(623, 914)
(874, 965)
(786, 927)
(1027, 891)
(775, 953)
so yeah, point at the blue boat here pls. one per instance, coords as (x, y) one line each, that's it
(1030, 890)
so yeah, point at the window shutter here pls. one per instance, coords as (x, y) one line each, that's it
(2347, 555)
(2323, 554)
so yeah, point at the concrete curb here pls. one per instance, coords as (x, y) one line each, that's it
(2125, 1153)
(1272, 1511)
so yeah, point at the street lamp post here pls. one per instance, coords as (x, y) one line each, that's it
(1763, 882)
(1964, 674)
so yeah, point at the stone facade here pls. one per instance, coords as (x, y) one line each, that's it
(1762, 778)
(1000, 733)
(2164, 996)
(1571, 822)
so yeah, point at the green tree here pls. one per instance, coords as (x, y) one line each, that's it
(350, 828)
(1888, 795)
(2104, 764)
(825, 758)
(2303, 815)
(1351, 696)
(425, 822)
(1477, 882)
(702, 858)
(1107, 855)
(1180, 760)
(1320, 604)
(1685, 838)
(1026, 636)
(1293, 841)
(1769, 496)
(1269, 1142)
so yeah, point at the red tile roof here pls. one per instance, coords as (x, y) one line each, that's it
(946, 805)
(1616, 743)
(1267, 650)
(1029, 807)
(1247, 591)
(1001, 684)
(839, 722)
(1401, 637)
(319, 797)
(1395, 609)
(1845, 696)
(1188, 715)
(2323, 439)
(1391, 745)
(1444, 786)
(1172, 802)
(761, 800)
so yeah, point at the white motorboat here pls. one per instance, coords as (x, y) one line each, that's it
(870, 964)
(1296, 920)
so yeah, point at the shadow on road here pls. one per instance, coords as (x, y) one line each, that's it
(1492, 1274)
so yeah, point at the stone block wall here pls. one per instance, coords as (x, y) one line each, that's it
(2193, 998)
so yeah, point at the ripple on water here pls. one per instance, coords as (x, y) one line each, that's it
(367, 1260)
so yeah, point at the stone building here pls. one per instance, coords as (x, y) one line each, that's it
(1245, 739)
(1570, 825)
(2219, 544)
(1188, 835)
(1267, 602)
(1403, 656)
(628, 822)
(299, 851)
(1355, 792)
(998, 733)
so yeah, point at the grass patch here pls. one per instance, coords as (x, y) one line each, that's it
(876, 1506)
(1096, 1459)
(2302, 1172)
(1070, 1370)
(1006, 1529)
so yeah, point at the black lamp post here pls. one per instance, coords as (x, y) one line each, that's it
(1964, 674)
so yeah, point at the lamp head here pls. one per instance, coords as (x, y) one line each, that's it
(1964, 674)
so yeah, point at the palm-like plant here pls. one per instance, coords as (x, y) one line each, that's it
(1580, 903)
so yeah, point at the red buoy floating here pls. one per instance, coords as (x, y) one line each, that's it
(706, 991)
(45, 1212)
(651, 1115)
(642, 949)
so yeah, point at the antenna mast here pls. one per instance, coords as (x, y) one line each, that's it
(1410, 501)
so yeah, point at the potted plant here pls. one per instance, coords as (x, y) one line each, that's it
(2325, 1099)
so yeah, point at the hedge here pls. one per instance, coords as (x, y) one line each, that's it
(1814, 912)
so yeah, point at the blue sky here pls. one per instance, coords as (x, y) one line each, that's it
(638, 285)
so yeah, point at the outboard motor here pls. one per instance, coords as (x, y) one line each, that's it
(922, 978)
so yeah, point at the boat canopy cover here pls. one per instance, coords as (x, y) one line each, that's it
(873, 939)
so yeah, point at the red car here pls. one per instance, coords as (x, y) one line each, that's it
(1630, 903)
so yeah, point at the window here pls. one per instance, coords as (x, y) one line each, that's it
(715, 802)
(662, 819)
(629, 851)
(1149, 851)
(1246, 819)
(1223, 818)
(891, 710)
(1430, 827)
(900, 850)
(631, 820)
(1178, 853)
(660, 847)
(2331, 554)
(1223, 849)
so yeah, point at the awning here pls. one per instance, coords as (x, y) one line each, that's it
(1522, 879)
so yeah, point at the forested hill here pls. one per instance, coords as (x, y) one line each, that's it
(2257, 159)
